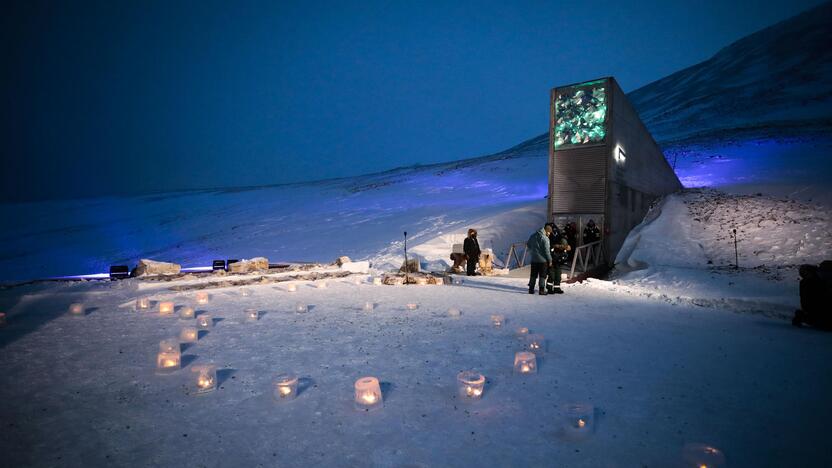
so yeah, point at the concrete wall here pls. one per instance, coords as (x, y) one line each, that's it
(635, 181)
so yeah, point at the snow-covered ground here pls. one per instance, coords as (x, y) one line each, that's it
(81, 391)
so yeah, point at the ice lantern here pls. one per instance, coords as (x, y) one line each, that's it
(202, 298)
(536, 343)
(301, 308)
(521, 332)
(525, 363)
(412, 306)
(76, 309)
(206, 378)
(252, 315)
(369, 306)
(291, 288)
(204, 321)
(498, 320)
(285, 387)
(579, 420)
(169, 358)
(368, 394)
(702, 456)
(142, 303)
(377, 281)
(471, 385)
(186, 313)
(188, 335)
(165, 308)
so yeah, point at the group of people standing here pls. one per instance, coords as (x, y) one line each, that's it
(547, 248)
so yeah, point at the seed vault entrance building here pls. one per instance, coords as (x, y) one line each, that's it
(603, 164)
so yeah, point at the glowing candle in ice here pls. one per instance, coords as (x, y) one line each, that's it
(702, 455)
(245, 292)
(321, 285)
(498, 320)
(170, 344)
(521, 332)
(454, 312)
(470, 384)
(252, 315)
(377, 281)
(368, 393)
(204, 321)
(76, 308)
(368, 306)
(525, 363)
(142, 303)
(186, 313)
(168, 359)
(536, 343)
(357, 281)
(206, 378)
(412, 306)
(579, 419)
(202, 298)
(285, 387)
(292, 288)
(165, 308)
(301, 308)
(188, 335)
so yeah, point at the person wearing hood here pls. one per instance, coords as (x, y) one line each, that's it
(537, 248)
(471, 247)
(559, 249)
(591, 232)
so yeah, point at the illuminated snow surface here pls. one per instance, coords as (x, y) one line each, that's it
(81, 391)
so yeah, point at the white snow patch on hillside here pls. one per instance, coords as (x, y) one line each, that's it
(684, 251)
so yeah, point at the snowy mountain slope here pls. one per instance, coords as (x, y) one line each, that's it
(757, 112)
(361, 217)
(779, 77)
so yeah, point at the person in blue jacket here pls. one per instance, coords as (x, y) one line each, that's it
(537, 248)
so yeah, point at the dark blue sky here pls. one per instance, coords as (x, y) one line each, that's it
(131, 97)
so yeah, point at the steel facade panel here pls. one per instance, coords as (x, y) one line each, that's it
(579, 180)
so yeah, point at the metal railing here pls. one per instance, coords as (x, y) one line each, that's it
(586, 256)
(512, 254)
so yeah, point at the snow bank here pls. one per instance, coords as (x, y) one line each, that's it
(683, 252)
(496, 232)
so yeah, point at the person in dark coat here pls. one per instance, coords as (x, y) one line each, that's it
(471, 247)
(815, 296)
(570, 231)
(558, 247)
(591, 232)
(537, 249)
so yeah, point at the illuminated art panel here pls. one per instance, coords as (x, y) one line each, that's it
(581, 115)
